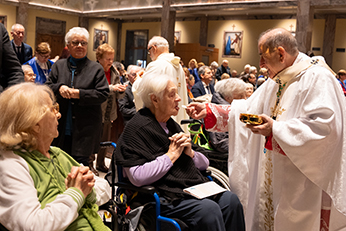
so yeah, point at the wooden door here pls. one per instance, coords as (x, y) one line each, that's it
(56, 42)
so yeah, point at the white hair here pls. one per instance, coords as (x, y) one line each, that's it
(247, 66)
(76, 31)
(26, 67)
(252, 68)
(231, 88)
(154, 85)
(16, 26)
(133, 67)
(214, 64)
(158, 41)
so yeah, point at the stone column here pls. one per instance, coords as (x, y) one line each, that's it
(22, 15)
(118, 48)
(329, 37)
(84, 22)
(168, 23)
(305, 16)
(203, 32)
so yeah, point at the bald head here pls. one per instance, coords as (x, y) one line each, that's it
(273, 38)
(225, 63)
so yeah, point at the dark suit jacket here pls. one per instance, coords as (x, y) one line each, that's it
(220, 70)
(10, 69)
(26, 52)
(198, 89)
(126, 104)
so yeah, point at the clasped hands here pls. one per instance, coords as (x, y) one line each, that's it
(118, 87)
(68, 92)
(180, 142)
(81, 178)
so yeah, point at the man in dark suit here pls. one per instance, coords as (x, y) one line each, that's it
(126, 104)
(23, 50)
(204, 86)
(224, 68)
(10, 69)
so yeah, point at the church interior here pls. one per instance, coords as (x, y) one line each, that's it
(194, 28)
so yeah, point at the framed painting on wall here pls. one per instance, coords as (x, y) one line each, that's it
(177, 37)
(100, 37)
(3, 20)
(232, 44)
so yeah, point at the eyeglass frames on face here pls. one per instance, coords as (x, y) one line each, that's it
(149, 50)
(55, 107)
(76, 43)
(31, 75)
(44, 56)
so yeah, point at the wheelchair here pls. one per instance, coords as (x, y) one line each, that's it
(122, 198)
(218, 161)
(120, 220)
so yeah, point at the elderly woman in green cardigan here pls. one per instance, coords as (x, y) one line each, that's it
(42, 187)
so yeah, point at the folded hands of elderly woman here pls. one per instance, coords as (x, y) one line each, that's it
(179, 142)
(68, 92)
(81, 178)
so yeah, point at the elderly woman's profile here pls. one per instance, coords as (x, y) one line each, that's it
(42, 187)
(153, 150)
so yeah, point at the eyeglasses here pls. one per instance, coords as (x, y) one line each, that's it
(76, 43)
(19, 32)
(55, 107)
(149, 50)
(44, 56)
(31, 75)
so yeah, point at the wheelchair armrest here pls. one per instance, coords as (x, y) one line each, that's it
(144, 189)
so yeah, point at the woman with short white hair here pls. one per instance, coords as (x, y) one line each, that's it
(80, 87)
(153, 150)
(229, 89)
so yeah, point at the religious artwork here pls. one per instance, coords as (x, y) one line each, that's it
(3, 20)
(177, 37)
(232, 44)
(100, 37)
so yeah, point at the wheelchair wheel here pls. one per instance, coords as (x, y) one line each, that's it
(219, 177)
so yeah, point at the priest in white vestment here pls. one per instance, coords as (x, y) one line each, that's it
(289, 172)
(166, 63)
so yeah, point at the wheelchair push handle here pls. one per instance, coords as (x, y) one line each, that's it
(108, 144)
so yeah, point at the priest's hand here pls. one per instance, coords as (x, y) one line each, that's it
(196, 110)
(265, 128)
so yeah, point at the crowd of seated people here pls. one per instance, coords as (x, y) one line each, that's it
(198, 91)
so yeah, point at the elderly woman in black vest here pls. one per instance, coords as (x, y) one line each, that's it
(154, 151)
(80, 87)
